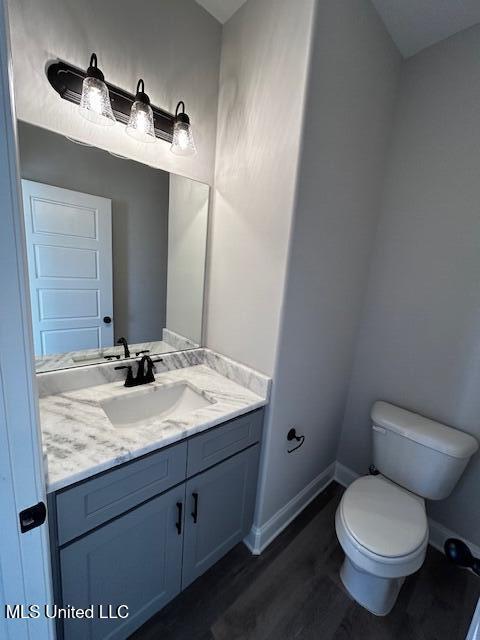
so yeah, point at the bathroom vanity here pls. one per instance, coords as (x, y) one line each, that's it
(151, 475)
(140, 506)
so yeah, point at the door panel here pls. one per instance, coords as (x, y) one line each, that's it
(63, 219)
(56, 304)
(135, 561)
(63, 340)
(69, 248)
(222, 513)
(65, 262)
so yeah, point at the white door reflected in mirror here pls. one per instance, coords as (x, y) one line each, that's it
(69, 249)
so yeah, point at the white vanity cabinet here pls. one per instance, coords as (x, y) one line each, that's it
(138, 534)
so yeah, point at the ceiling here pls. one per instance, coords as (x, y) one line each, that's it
(416, 24)
(413, 24)
(222, 10)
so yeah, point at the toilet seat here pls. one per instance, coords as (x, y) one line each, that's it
(384, 518)
(382, 528)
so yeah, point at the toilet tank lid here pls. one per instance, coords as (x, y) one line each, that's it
(429, 433)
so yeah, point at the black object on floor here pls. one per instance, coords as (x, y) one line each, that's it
(293, 592)
(458, 552)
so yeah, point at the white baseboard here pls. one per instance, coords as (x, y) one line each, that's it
(260, 537)
(438, 532)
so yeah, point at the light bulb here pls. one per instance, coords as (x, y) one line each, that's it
(95, 100)
(183, 143)
(140, 124)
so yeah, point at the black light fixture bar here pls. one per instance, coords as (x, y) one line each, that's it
(67, 81)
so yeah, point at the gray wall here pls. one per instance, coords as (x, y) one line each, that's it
(419, 343)
(350, 105)
(174, 45)
(263, 76)
(139, 197)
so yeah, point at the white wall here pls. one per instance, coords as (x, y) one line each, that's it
(350, 106)
(262, 87)
(174, 45)
(187, 240)
(419, 344)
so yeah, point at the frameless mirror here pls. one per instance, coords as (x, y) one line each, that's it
(116, 252)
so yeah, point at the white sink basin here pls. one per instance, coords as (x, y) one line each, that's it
(134, 408)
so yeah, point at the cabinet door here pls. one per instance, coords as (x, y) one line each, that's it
(135, 561)
(219, 511)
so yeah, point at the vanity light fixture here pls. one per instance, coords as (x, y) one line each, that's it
(183, 143)
(95, 100)
(140, 124)
(106, 103)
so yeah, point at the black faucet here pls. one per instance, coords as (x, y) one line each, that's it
(143, 376)
(125, 346)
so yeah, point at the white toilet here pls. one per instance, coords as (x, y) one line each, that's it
(381, 521)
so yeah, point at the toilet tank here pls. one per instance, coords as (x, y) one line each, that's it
(421, 455)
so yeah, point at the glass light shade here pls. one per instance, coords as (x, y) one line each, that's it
(183, 143)
(95, 102)
(140, 124)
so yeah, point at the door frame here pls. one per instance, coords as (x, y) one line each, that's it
(25, 573)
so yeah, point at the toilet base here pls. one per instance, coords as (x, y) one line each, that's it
(376, 594)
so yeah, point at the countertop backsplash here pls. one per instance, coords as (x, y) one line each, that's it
(55, 382)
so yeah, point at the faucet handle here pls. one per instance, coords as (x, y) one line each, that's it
(129, 380)
(154, 362)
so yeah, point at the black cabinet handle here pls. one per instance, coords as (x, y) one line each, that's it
(195, 507)
(178, 524)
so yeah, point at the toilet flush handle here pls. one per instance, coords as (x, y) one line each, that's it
(379, 429)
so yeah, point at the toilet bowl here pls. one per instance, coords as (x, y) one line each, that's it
(383, 531)
(381, 522)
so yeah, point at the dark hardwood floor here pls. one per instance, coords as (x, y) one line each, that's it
(293, 592)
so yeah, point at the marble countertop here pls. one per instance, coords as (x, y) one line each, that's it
(79, 440)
